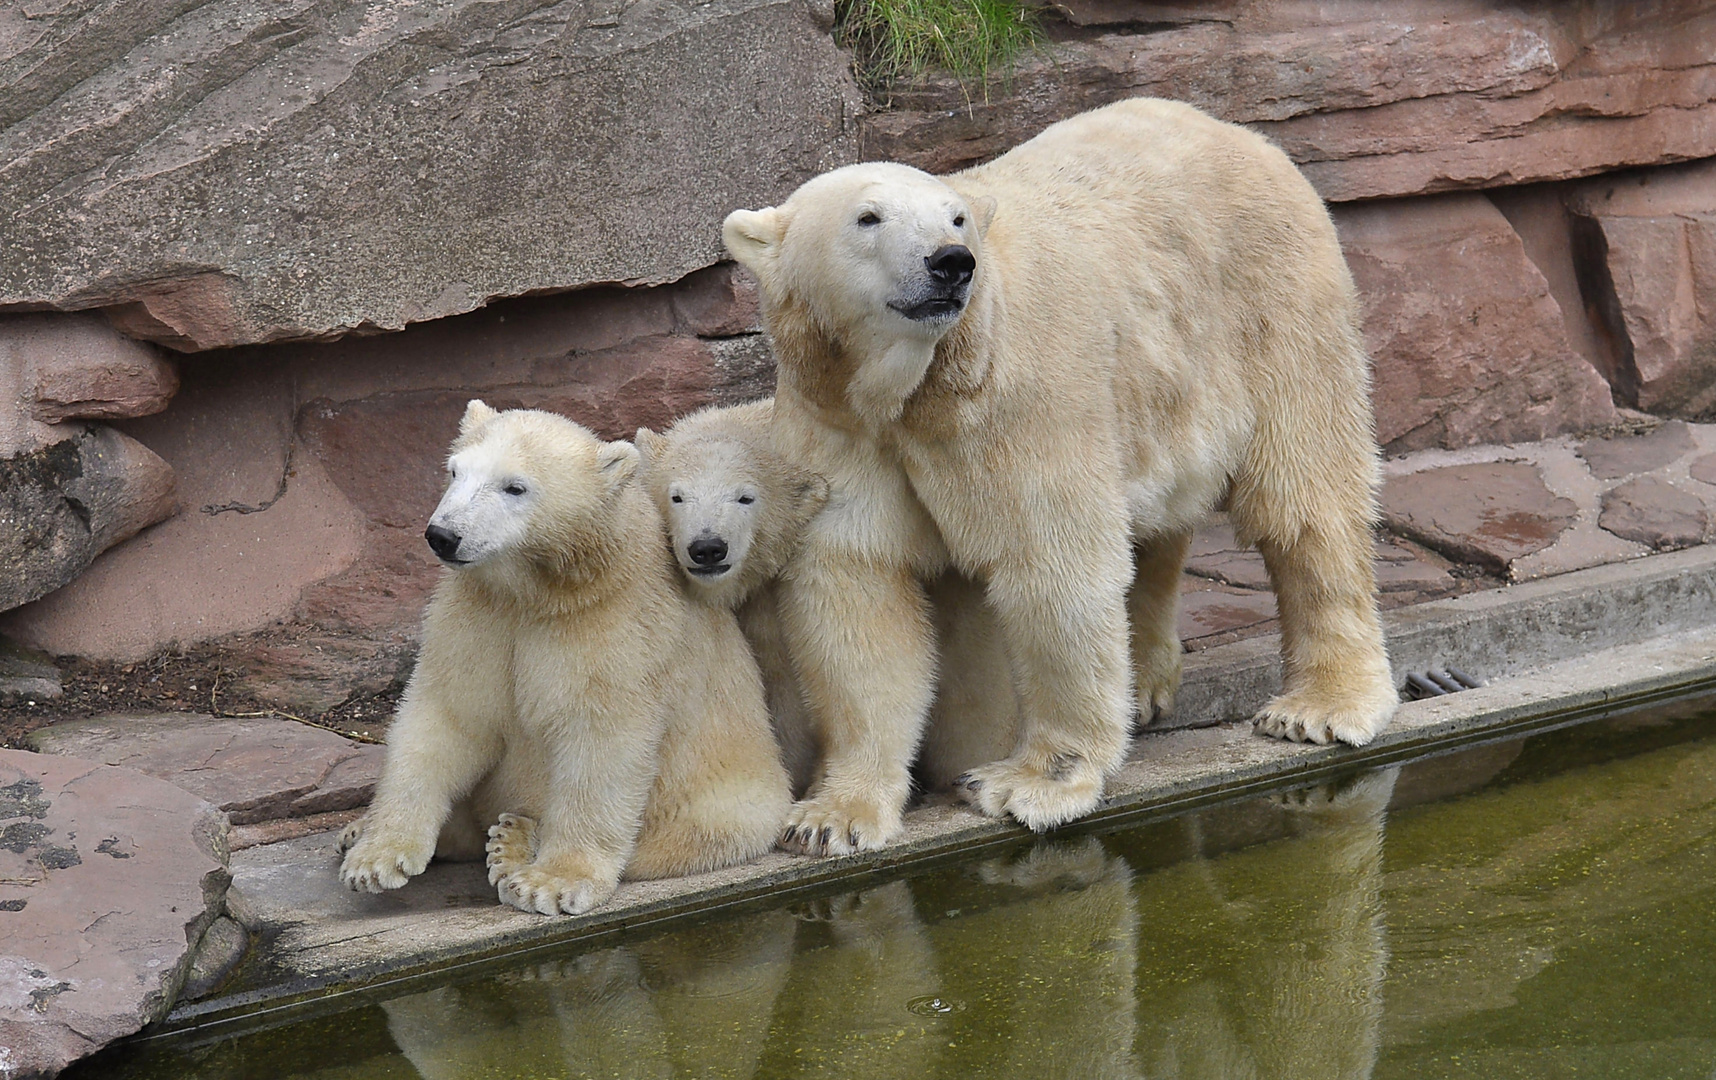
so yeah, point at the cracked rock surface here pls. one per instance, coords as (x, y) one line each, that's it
(108, 880)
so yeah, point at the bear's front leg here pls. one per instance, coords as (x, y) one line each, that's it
(1066, 631)
(862, 641)
(431, 762)
(600, 737)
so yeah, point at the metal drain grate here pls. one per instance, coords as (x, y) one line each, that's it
(1438, 681)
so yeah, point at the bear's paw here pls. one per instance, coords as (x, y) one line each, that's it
(1314, 716)
(511, 846)
(377, 862)
(822, 825)
(1039, 795)
(534, 888)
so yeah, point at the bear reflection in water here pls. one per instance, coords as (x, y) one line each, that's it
(1163, 951)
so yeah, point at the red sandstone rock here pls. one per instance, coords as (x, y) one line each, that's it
(108, 881)
(1466, 343)
(254, 769)
(1650, 510)
(1370, 101)
(1653, 236)
(1211, 610)
(78, 366)
(1487, 514)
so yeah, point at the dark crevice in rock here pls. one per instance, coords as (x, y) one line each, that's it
(1603, 307)
(279, 491)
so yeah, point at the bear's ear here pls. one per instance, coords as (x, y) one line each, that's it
(476, 415)
(983, 209)
(753, 237)
(650, 445)
(617, 461)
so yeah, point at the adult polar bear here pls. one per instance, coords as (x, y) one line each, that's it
(1027, 370)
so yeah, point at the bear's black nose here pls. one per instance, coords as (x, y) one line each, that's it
(707, 550)
(443, 542)
(952, 265)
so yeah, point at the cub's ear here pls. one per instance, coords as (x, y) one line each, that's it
(650, 445)
(983, 209)
(810, 494)
(476, 415)
(753, 237)
(617, 461)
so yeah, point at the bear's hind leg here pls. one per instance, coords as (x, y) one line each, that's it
(1153, 607)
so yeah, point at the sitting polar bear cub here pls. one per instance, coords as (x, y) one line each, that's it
(566, 688)
(735, 511)
(1031, 371)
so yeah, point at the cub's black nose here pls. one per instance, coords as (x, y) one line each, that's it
(443, 542)
(952, 265)
(707, 550)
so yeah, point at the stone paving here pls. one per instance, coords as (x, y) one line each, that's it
(180, 791)
(109, 879)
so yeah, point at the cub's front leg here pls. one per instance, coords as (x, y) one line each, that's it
(600, 736)
(432, 760)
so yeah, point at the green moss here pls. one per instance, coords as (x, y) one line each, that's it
(973, 39)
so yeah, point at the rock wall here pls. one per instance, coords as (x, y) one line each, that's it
(343, 220)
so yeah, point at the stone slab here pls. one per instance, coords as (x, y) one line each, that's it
(325, 937)
(1490, 514)
(1617, 456)
(1651, 511)
(254, 769)
(108, 880)
(429, 157)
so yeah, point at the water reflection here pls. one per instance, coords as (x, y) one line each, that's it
(1032, 965)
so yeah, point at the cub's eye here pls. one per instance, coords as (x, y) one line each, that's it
(869, 217)
(515, 488)
(746, 500)
(959, 221)
(676, 498)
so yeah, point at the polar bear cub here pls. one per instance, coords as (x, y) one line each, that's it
(567, 693)
(735, 511)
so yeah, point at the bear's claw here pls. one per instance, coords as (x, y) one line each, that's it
(1305, 716)
(834, 828)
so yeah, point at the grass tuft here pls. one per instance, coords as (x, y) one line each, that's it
(972, 39)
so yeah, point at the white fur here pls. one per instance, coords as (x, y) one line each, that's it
(1159, 315)
(568, 700)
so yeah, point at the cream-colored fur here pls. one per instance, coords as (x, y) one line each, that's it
(1158, 314)
(715, 476)
(567, 689)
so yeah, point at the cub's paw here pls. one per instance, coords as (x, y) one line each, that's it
(533, 888)
(1064, 787)
(827, 826)
(377, 862)
(511, 846)
(351, 834)
(1310, 716)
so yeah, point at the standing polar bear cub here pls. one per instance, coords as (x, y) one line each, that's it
(566, 689)
(1026, 371)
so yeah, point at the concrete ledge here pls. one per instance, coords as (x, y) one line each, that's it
(1574, 647)
(1493, 634)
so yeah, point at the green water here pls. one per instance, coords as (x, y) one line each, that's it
(1544, 908)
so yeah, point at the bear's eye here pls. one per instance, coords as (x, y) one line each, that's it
(676, 498)
(746, 500)
(514, 488)
(959, 221)
(869, 217)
